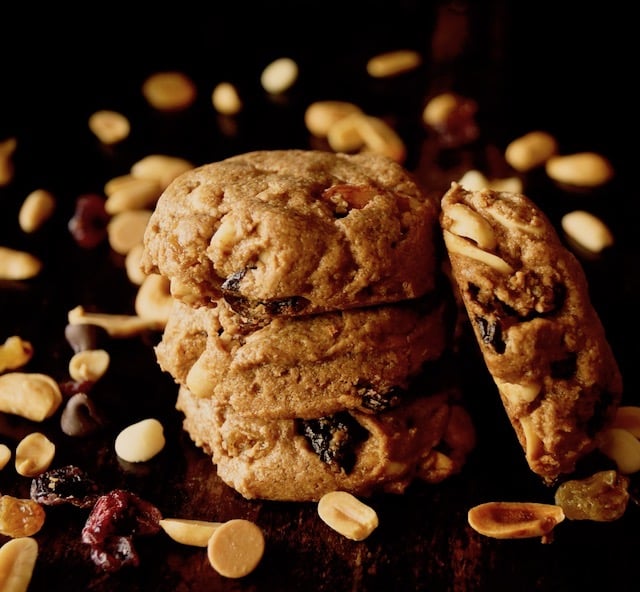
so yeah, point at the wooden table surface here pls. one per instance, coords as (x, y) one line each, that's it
(526, 71)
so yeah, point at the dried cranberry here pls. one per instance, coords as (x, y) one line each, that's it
(115, 553)
(88, 226)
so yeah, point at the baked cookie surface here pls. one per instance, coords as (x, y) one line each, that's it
(287, 232)
(300, 460)
(542, 341)
(306, 366)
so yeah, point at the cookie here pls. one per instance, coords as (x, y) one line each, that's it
(306, 366)
(300, 460)
(542, 341)
(290, 232)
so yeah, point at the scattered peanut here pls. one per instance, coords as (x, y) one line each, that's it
(321, 116)
(89, 365)
(379, 137)
(279, 76)
(132, 266)
(235, 548)
(15, 353)
(5, 456)
(439, 108)
(7, 148)
(587, 230)
(189, 532)
(131, 193)
(115, 325)
(169, 91)
(36, 209)
(628, 418)
(33, 396)
(225, 99)
(393, 63)
(17, 561)
(153, 300)
(514, 520)
(18, 265)
(346, 514)
(126, 229)
(140, 441)
(583, 169)
(344, 134)
(110, 127)
(623, 448)
(531, 150)
(34, 454)
(161, 168)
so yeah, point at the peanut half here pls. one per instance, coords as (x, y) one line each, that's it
(17, 560)
(33, 396)
(514, 520)
(346, 514)
(189, 532)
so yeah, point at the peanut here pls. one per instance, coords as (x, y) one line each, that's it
(346, 514)
(225, 99)
(89, 365)
(131, 193)
(393, 63)
(140, 441)
(36, 209)
(468, 223)
(126, 229)
(34, 454)
(153, 300)
(344, 135)
(132, 266)
(5, 456)
(460, 246)
(115, 325)
(587, 230)
(161, 168)
(279, 76)
(169, 91)
(30, 395)
(320, 116)
(235, 548)
(189, 532)
(628, 418)
(379, 137)
(17, 561)
(18, 265)
(583, 169)
(514, 520)
(14, 353)
(623, 448)
(530, 151)
(110, 127)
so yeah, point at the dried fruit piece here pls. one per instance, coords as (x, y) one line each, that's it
(17, 560)
(236, 548)
(20, 517)
(514, 520)
(347, 515)
(602, 497)
(64, 485)
(88, 225)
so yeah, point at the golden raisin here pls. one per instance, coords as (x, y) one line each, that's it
(20, 517)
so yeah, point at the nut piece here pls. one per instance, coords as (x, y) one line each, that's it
(131, 193)
(126, 229)
(169, 91)
(530, 151)
(583, 169)
(140, 441)
(34, 454)
(322, 115)
(115, 325)
(5, 456)
(161, 168)
(225, 99)
(110, 127)
(89, 365)
(153, 300)
(17, 560)
(18, 265)
(344, 134)
(514, 520)
(14, 353)
(470, 224)
(347, 515)
(379, 137)
(235, 548)
(623, 448)
(36, 209)
(279, 76)
(460, 246)
(393, 63)
(189, 532)
(587, 230)
(519, 393)
(33, 396)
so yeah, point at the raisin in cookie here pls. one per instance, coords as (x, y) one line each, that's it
(301, 459)
(527, 299)
(305, 366)
(290, 232)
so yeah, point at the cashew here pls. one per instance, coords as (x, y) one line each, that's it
(30, 395)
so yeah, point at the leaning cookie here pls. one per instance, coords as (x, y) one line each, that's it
(426, 438)
(527, 299)
(306, 366)
(290, 232)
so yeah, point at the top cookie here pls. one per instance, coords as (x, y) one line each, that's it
(289, 232)
(543, 343)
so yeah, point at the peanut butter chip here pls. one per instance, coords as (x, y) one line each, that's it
(235, 548)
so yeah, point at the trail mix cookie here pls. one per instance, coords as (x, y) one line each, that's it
(289, 232)
(305, 366)
(427, 437)
(543, 343)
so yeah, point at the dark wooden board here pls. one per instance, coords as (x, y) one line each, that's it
(423, 541)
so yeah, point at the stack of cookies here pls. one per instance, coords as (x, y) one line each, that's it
(308, 325)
